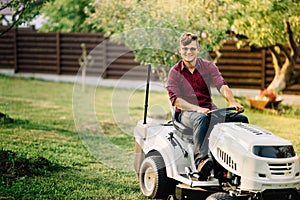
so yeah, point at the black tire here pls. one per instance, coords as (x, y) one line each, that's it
(153, 179)
(220, 196)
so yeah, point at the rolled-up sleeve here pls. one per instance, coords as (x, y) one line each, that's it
(173, 85)
(217, 77)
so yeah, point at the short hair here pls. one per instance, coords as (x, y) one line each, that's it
(187, 38)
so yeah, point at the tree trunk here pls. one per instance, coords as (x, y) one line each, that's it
(284, 72)
(284, 77)
(278, 83)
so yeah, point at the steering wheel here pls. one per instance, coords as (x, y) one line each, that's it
(222, 112)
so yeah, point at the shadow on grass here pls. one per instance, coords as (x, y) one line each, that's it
(13, 166)
(38, 178)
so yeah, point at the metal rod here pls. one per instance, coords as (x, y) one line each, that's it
(147, 94)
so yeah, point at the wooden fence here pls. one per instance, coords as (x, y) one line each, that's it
(26, 50)
(244, 68)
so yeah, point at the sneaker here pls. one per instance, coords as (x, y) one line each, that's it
(204, 168)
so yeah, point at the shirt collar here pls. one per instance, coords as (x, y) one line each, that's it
(197, 64)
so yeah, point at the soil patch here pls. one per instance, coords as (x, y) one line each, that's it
(4, 118)
(13, 166)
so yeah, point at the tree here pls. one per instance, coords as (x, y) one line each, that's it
(22, 11)
(66, 16)
(269, 24)
(152, 28)
(273, 25)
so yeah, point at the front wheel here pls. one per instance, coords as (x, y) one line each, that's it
(220, 196)
(153, 179)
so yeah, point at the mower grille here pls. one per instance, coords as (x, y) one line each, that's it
(281, 169)
(253, 130)
(227, 159)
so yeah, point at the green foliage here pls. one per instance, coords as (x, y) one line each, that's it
(22, 10)
(263, 22)
(152, 28)
(272, 25)
(66, 16)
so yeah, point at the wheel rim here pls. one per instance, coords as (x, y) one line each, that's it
(149, 179)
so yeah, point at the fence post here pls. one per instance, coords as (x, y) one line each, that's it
(58, 67)
(263, 68)
(16, 66)
(104, 61)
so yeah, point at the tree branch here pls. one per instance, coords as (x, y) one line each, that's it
(255, 48)
(6, 5)
(6, 30)
(289, 64)
(292, 42)
(286, 52)
(218, 56)
(17, 14)
(276, 57)
(15, 22)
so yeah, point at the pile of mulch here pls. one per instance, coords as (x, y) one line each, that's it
(14, 166)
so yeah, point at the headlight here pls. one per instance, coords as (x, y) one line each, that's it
(274, 151)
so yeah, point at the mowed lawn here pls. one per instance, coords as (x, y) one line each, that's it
(50, 157)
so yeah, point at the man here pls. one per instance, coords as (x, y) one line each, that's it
(188, 86)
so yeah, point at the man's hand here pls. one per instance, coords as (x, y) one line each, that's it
(226, 92)
(237, 106)
(203, 110)
(184, 105)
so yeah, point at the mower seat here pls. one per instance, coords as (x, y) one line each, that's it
(183, 130)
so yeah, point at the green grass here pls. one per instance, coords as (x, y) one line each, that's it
(44, 127)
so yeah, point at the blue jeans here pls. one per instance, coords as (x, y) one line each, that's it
(202, 126)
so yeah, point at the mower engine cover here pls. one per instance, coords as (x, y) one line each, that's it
(262, 160)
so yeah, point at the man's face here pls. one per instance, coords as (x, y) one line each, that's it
(189, 52)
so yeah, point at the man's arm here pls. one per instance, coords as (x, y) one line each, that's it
(226, 92)
(184, 105)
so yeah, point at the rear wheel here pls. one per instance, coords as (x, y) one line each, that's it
(220, 196)
(153, 179)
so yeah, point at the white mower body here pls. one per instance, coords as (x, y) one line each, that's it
(249, 163)
(233, 145)
(248, 151)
